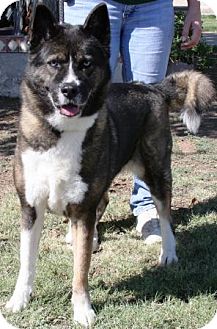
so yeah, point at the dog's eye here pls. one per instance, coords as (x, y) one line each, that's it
(86, 63)
(55, 63)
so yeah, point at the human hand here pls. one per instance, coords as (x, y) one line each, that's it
(192, 30)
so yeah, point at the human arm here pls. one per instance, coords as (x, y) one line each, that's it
(192, 25)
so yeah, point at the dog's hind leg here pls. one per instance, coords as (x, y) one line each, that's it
(102, 206)
(83, 230)
(168, 248)
(31, 226)
(159, 181)
(157, 175)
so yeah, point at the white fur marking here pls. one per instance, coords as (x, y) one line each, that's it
(212, 324)
(168, 250)
(28, 253)
(192, 120)
(54, 175)
(4, 324)
(83, 312)
(71, 77)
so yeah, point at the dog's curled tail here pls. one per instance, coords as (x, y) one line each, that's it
(4, 324)
(192, 92)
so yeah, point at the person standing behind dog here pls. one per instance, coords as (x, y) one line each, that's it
(142, 32)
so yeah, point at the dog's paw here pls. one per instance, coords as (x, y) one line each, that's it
(168, 252)
(83, 312)
(85, 317)
(168, 257)
(168, 249)
(19, 300)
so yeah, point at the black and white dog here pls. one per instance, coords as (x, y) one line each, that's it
(77, 131)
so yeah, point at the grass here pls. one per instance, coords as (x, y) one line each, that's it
(209, 23)
(128, 289)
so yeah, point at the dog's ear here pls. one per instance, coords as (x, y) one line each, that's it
(44, 26)
(97, 24)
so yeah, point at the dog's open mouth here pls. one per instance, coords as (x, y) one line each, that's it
(69, 110)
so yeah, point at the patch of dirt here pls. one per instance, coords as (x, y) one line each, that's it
(186, 146)
(122, 182)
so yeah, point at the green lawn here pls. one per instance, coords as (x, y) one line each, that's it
(209, 23)
(128, 289)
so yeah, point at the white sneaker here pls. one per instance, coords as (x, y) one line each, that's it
(95, 241)
(68, 237)
(148, 226)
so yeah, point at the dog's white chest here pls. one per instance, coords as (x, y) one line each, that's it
(53, 176)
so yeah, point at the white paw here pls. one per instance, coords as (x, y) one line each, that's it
(212, 324)
(168, 249)
(19, 300)
(167, 257)
(83, 312)
(168, 252)
(4, 324)
(85, 317)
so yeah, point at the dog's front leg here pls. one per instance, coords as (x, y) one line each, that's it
(83, 231)
(31, 226)
(99, 213)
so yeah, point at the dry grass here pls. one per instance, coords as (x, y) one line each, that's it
(128, 289)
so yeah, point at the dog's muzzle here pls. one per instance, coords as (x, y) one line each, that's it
(75, 96)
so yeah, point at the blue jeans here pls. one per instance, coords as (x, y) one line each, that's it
(142, 34)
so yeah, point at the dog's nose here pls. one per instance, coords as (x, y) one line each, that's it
(69, 90)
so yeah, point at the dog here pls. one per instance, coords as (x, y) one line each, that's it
(77, 131)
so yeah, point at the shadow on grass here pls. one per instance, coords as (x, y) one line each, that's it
(180, 216)
(183, 215)
(195, 274)
(8, 125)
(7, 146)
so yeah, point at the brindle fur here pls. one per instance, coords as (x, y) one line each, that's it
(132, 126)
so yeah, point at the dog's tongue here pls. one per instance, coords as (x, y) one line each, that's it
(69, 110)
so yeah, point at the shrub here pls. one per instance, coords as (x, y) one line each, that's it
(201, 56)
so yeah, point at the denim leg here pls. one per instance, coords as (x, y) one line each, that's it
(145, 48)
(141, 197)
(146, 40)
(76, 11)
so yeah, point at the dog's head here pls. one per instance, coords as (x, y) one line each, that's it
(68, 68)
